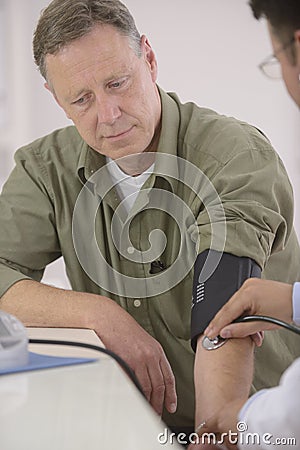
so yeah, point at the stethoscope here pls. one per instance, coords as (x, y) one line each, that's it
(218, 341)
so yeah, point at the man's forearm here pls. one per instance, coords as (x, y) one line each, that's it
(222, 375)
(37, 304)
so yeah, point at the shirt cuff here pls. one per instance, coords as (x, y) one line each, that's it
(296, 303)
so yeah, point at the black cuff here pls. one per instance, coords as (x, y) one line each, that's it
(209, 296)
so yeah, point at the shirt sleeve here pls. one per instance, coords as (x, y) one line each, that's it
(296, 303)
(257, 200)
(271, 417)
(28, 239)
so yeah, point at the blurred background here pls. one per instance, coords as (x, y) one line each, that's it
(208, 52)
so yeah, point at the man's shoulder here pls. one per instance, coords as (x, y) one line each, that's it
(64, 143)
(207, 132)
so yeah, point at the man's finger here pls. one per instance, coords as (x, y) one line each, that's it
(158, 388)
(144, 379)
(169, 381)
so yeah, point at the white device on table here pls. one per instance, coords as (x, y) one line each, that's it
(13, 342)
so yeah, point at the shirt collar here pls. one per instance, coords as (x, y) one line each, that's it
(168, 167)
(89, 162)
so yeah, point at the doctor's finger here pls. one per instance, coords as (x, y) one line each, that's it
(233, 309)
(240, 330)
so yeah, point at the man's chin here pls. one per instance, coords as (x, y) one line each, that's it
(117, 152)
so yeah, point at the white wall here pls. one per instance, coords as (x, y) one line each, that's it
(208, 51)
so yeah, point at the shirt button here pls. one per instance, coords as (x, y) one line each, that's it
(137, 303)
(130, 250)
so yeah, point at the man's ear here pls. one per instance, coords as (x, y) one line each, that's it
(48, 87)
(149, 55)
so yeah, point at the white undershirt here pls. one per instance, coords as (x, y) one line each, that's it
(128, 187)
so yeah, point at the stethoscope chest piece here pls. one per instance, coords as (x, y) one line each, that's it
(213, 344)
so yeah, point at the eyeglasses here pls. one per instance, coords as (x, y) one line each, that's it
(271, 66)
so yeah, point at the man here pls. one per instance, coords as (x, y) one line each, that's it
(125, 196)
(272, 413)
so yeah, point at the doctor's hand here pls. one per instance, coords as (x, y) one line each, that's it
(255, 297)
(123, 335)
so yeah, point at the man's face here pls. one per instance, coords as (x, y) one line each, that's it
(108, 91)
(290, 72)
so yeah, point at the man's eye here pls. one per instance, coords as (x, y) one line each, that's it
(117, 84)
(81, 101)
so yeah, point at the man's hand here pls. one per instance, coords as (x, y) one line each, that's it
(224, 425)
(39, 305)
(255, 297)
(124, 336)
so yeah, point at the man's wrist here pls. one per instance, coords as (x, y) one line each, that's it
(200, 426)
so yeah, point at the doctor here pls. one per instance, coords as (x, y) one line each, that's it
(272, 414)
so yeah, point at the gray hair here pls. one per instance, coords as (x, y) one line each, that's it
(64, 21)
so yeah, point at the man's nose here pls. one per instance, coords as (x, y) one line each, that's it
(108, 110)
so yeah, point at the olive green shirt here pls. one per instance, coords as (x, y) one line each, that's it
(38, 201)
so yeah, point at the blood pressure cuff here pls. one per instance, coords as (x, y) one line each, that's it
(217, 276)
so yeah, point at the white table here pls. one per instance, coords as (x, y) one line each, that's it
(65, 334)
(81, 407)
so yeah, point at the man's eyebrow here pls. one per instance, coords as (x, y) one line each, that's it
(116, 76)
(71, 97)
(125, 70)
